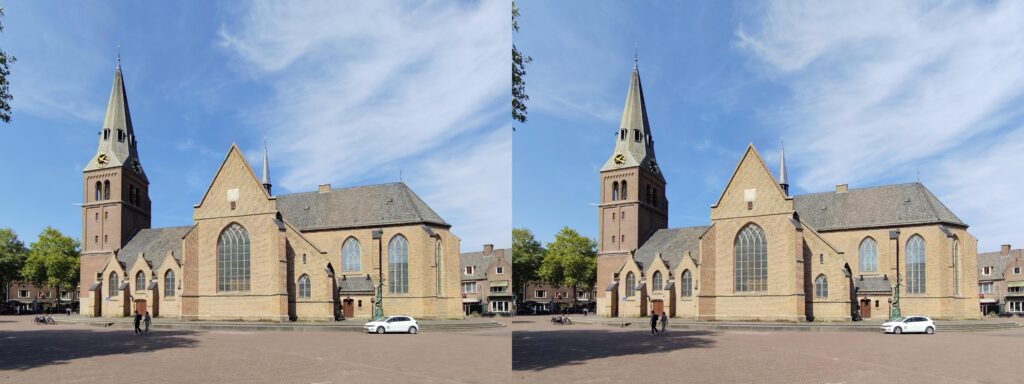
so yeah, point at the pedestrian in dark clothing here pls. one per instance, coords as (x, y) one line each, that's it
(148, 320)
(654, 323)
(138, 319)
(664, 322)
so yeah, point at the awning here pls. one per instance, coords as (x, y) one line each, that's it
(988, 301)
(152, 285)
(95, 286)
(124, 285)
(1015, 283)
(671, 285)
(501, 283)
(641, 286)
(612, 286)
(470, 301)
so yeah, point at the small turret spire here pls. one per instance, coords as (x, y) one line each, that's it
(636, 59)
(783, 179)
(266, 168)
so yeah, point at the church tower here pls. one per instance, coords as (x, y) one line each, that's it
(633, 203)
(115, 202)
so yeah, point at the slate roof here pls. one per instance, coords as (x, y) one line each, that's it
(872, 284)
(480, 262)
(672, 243)
(155, 243)
(370, 205)
(887, 205)
(355, 284)
(997, 261)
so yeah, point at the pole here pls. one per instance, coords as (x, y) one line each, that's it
(378, 304)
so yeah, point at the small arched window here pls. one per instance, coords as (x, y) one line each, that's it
(625, 191)
(821, 287)
(112, 287)
(169, 283)
(656, 281)
(398, 265)
(615, 191)
(751, 260)
(140, 281)
(915, 265)
(868, 255)
(305, 287)
(956, 266)
(687, 284)
(99, 191)
(106, 190)
(630, 285)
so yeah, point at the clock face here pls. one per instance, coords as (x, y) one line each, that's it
(654, 166)
(620, 159)
(136, 166)
(102, 159)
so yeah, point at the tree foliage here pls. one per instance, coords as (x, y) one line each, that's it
(570, 261)
(5, 91)
(527, 255)
(52, 261)
(12, 257)
(519, 61)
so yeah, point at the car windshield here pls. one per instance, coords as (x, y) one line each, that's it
(905, 319)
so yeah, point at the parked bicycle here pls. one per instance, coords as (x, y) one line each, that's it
(44, 319)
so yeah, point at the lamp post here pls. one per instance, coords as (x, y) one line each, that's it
(894, 309)
(378, 302)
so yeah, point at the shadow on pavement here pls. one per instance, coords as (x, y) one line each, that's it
(539, 350)
(35, 348)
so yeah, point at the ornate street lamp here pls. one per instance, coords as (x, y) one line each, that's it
(378, 302)
(894, 309)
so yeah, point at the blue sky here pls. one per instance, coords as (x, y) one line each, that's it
(345, 93)
(864, 93)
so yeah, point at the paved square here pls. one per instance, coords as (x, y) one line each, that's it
(85, 354)
(602, 354)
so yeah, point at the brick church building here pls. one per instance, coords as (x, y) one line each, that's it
(252, 255)
(768, 255)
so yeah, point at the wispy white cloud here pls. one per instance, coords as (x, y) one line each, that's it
(881, 89)
(364, 87)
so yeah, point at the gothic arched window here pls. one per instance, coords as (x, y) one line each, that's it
(112, 287)
(233, 259)
(751, 259)
(687, 284)
(305, 287)
(99, 191)
(169, 283)
(821, 287)
(437, 265)
(106, 190)
(625, 191)
(398, 265)
(915, 265)
(615, 190)
(956, 266)
(656, 281)
(350, 255)
(868, 255)
(140, 281)
(630, 285)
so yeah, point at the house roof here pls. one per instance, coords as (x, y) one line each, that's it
(872, 284)
(480, 262)
(672, 243)
(155, 243)
(997, 261)
(370, 205)
(355, 284)
(882, 206)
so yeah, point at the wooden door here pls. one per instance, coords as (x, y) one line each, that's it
(349, 308)
(658, 307)
(865, 309)
(140, 306)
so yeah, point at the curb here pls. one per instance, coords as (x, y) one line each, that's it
(278, 327)
(876, 328)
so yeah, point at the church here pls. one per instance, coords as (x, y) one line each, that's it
(252, 255)
(766, 255)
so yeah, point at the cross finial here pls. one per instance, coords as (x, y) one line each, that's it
(636, 60)
(119, 56)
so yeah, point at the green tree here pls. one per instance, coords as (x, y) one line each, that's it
(570, 261)
(12, 257)
(5, 91)
(519, 61)
(527, 254)
(53, 261)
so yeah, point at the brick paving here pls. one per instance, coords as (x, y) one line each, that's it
(86, 354)
(602, 354)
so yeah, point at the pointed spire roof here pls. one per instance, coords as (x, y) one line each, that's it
(266, 168)
(117, 143)
(782, 165)
(634, 144)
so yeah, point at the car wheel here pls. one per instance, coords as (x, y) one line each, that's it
(897, 330)
(929, 330)
(413, 330)
(380, 330)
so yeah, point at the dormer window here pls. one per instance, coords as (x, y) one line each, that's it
(636, 135)
(469, 270)
(106, 134)
(499, 270)
(120, 135)
(622, 134)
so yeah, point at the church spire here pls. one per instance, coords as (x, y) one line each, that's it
(266, 168)
(117, 144)
(783, 179)
(634, 144)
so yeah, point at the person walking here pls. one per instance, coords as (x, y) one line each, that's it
(148, 320)
(654, 323)
(138, 319)
(664, 322)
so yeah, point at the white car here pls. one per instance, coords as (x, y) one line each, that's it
(910, 324)
(403, 324)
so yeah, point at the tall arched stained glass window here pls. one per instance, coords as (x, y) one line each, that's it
(656, 281)
(437, 266)
(350, 255)
(112, 287)
(687, 285)
(821, 287)
(868, 255)
(140, 281)
(169, 283)
(956, 266)
(305, 287)
(751, 260)
(630, 285)
(233, 259)
(915, 265)
(398, 265)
